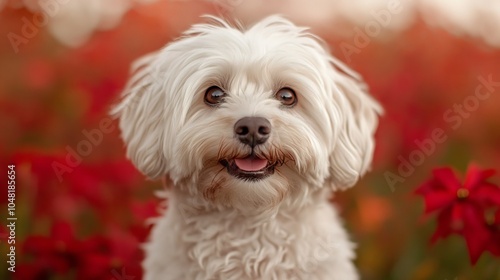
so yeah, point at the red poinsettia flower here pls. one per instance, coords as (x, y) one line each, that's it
(445, 189)
(461, 206)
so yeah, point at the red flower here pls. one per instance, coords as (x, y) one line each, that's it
(101, 256)
(96, 257)
(107, 186)
(50, 255)
(461, 207)
(445, 189)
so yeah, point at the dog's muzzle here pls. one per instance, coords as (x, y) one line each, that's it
(251, 131)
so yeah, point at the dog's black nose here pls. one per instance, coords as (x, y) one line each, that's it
(252, 130)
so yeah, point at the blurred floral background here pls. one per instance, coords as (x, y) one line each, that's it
(83, 210)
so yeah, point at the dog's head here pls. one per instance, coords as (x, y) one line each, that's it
(244, 118)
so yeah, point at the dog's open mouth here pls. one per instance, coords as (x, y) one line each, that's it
(249, 168)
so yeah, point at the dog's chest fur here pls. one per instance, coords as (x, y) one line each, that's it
(307, 243)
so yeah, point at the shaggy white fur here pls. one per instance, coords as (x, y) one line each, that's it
(224, 219)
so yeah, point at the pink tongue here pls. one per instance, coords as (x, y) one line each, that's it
(250, 164)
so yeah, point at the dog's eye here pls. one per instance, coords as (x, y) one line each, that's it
(287, 97)
(214, 95)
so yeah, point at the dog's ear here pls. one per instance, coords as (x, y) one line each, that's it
(352, 153)
(141, 119)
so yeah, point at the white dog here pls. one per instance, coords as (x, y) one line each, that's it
(253, 129)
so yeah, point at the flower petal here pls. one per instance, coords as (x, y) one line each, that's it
(486, 195)
(476, 233)
(446, 176)
(475, 176)
(438, 200)
(443, 228)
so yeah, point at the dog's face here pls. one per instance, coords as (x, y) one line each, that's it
(245, 118)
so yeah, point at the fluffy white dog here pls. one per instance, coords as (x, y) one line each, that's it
(253, 130)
